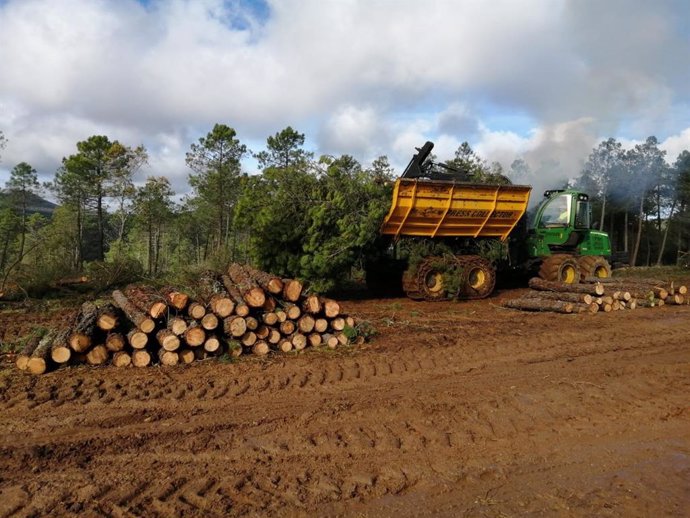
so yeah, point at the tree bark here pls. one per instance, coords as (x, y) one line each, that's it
(638, 237)
(540, 284)
(38, 362)
(27, 351)
(241, 307)
(583, 298)
(134, 314)
(540, 305)
(60, 351)
(662, 248)
(252, 294)
(270, 283)
(107, 317)
(84, 328)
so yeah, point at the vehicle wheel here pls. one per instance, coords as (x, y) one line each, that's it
(478, 277)
(429, 279)
(594, 266)
(560, 268)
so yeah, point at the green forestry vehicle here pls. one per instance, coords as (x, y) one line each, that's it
(445, 237)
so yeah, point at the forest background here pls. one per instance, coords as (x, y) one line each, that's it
(300, 216)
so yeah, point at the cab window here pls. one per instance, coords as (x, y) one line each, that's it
(583, 214)
(557, 212)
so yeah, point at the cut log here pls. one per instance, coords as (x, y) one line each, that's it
(293, 311)
(97, 355)
(268, 282)
(338, 323)
(606, 307)
(252, 323)
(196, 310)
(84, 328)
(115, 342)
(616, 305)
(555, 306)
(38, 362)
(331, 308)
(241, 308)
(262, 332)
(209, 322)
(28, 349)
(212, 344)
(177, 325)
(349, 321)
(292, 289)
(168, 340)
(330, 340)
(287, 328)
(270, 305)
(540, 284)
(186, 356)
(134, 314)
(234, 326)
(676, 299)
(306, 324)
(252, 293)
(270, 319)
(249, 338)
(285, 345)
(342, 338)
(60, 351)
(621, 295)
(282, 316)
(107, 319)
(260, 348)
(221, 305)
(582, 307)
(274, 336)
(137, 338)
(148, 300)
(584, 298)
(315, 339)
(168, 358)
(122, 359)
(175, 298)
(632, 304)
(312, 304)
(141, 358)
(299, 341)
(195, 335)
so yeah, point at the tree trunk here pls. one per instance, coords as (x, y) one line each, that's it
(133, 313)
(292, 290)
(584, 298)
(98, 355)
(168, 340)
(252, 294)
(137, 338)
(168, 358)
(625, 234)
(84, 328)
(107, 317)
(241, 307)
(101, 230)
(27, 350)
(60, 351)
(540, 305)
(195, 335)
(115, 342)
(175, 298)
(209, 321)
(603, 211)
(141, 358)
(662, 248)
(539, 284)
(38, 362)
(177, 325)
(638, 237)
(122, 359)
(268, 282)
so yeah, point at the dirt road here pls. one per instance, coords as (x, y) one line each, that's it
(456, 409)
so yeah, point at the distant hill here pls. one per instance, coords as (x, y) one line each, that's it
(36, 204)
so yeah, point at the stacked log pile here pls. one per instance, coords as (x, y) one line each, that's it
(599, 295)
(242, 311)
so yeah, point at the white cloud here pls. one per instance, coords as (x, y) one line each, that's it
(367, 78)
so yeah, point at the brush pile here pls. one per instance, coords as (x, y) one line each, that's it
(594, 295)
(243, 311)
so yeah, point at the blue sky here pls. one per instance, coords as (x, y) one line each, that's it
(542, 80)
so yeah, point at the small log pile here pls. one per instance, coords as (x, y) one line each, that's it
(594, 295)
(242, 311)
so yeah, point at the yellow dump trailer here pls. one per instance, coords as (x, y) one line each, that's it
(437, 208)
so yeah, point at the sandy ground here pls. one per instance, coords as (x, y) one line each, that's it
(456, 409)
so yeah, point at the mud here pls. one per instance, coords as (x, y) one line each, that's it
(456, 409)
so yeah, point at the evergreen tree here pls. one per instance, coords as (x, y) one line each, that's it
(22, 187)
(153, 208)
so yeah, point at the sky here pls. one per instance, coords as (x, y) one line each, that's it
(542, 80)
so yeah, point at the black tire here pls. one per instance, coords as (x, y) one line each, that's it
(594, 266)
(560, 268)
